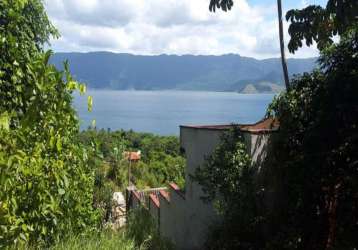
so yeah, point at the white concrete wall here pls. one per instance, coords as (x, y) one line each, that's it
(154, 212)
(166, 220)
(198, 144)
(178, 229)
(186, 221)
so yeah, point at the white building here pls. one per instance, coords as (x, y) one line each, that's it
(181, 215)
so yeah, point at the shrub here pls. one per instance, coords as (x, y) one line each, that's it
(316, 153)
(142, 229)
(227, 181)
(46, 183)
(105, 240)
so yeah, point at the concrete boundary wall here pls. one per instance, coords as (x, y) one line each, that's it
(154, 209)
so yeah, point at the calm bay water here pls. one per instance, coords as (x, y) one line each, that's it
(162, 112)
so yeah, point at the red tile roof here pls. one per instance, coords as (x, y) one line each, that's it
(177, 190)
(165, 195)
(264, 126)
(132, 156)
(154, 199)
(136, 194)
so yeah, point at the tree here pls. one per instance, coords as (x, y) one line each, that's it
(227, 180)
(315, 152)
(46, 183)
(227, 5)
(315, 23)
(310, 175)
(282, 45)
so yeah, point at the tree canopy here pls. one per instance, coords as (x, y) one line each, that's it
(313, 23)
(310, 174)
(315, 152)
(317, 24)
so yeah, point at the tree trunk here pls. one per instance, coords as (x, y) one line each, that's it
(282, 44)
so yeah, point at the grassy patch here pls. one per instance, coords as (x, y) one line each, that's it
(105, 240)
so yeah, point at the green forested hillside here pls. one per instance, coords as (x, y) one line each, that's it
(160, 161)
(104, 70)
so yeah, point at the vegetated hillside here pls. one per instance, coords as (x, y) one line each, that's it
(105, 70)
(160, 161)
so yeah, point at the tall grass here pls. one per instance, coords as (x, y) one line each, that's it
(97, 241)
(142, 229)
(140, 233)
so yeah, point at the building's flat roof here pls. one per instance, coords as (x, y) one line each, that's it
(264, 126)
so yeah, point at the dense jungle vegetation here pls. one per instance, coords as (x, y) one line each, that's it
(160, 162)
(306, 194)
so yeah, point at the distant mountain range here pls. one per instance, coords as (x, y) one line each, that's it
(105, 70)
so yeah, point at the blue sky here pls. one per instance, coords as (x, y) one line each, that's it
(152, 27)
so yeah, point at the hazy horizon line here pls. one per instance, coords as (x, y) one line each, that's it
(179, 55)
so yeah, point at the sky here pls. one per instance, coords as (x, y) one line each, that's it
(152, 27)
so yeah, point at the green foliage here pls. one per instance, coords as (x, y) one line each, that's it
(315, 23)
(104, 240)
(220, 175)
(24, 28)
(312, 23)
(316, 153)
(160, 162)
(142, 229)
(312, 189)
(227, 181)
(140, 233)
(46, 184)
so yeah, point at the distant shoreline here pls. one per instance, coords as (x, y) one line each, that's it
(177, 90)
(227, 73)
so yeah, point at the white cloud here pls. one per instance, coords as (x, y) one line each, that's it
(304, 3)
(166, 26)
